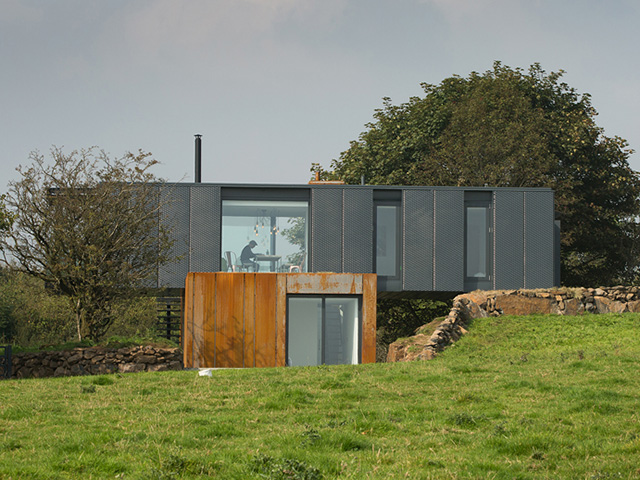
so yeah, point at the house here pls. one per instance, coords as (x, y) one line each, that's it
(418, 241)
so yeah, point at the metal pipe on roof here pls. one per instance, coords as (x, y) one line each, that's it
(198, 175)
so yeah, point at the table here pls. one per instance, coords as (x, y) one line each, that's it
(272, 259)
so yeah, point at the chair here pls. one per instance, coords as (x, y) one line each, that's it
(299, 267)
(232, 262)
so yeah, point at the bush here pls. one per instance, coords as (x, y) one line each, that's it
(29, 314)
(32, 316)
(134, 317)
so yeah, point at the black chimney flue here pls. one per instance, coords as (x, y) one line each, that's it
(198, 158)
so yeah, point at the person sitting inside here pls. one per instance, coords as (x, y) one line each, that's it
(247, 257)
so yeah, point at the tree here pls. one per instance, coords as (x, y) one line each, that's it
(6, 219)
(89, 226)
(514, 129)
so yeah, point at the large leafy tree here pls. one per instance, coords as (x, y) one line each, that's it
(89, 226)
(508, 127)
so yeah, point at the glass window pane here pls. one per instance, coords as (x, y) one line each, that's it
(278, 228)
(386, 240)
(304, 331)
(323, 330)
(341, 331)
(477, 231)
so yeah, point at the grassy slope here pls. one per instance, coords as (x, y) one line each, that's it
(528, 397)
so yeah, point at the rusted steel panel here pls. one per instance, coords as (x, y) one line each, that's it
(208, 319)
(199, 315)
(226, 320)
(325, 283)
(188, 322)
(281, 319)
(249, 339)
(265, 318)
(369, 288)
(237, 322)
(239, 319)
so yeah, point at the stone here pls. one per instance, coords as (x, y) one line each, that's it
(103, 368)
(395, 352)
(634, 306)
(24, 372)
(426, 354)
(573, 306)
(131, 367)
(516, 305)
(158, 367)
(146, 359)
(606, 305)
(74, 358)
(77, 369)
(175, 365)
(97, 359)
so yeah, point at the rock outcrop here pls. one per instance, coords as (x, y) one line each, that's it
(468, 306)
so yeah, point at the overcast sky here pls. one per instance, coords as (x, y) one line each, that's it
(275, 85)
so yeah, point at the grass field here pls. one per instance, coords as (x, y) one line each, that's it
(518, 397)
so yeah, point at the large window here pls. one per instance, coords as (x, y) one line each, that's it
(387, 229)
(477, 228)
(323, 330)
(279, 229)
(478, 245)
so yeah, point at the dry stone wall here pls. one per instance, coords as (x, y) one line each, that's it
(95, 361)
(478, 304)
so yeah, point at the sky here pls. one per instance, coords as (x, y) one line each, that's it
(276, 85)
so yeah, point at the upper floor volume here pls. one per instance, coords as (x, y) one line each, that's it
(418, 240)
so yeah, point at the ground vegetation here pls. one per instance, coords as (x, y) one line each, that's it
(517, 397)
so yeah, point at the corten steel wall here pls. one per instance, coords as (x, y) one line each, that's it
(238, 320)
(342, 236)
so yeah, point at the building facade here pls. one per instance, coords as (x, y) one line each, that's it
(420, 241)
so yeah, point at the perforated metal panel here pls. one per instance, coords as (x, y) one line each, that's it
(175, 212)
(205, 228)
(326, 229)
(449, 241)
(539, 239)
(417, 258)
(509, 239)
(357, 252)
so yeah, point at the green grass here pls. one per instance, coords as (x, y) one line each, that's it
(518, 397)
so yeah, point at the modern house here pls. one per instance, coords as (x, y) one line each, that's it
(418, 241)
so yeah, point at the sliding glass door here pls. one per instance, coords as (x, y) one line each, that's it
(323, 330)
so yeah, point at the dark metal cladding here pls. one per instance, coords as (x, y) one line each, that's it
(205, 220)
(358, 230)
(175, 212)
(449, 244)
(417, 258)
(539, 239)
(326, 229)
(523, 237)
(509, 239)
